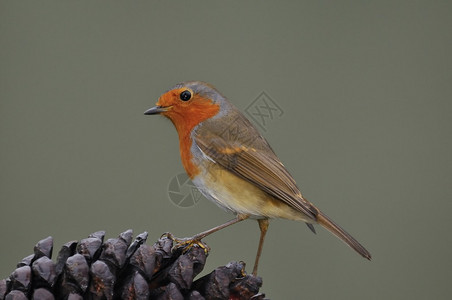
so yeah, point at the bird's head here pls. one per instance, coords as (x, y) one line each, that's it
(188, 103)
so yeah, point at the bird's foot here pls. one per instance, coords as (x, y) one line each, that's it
(185, 244)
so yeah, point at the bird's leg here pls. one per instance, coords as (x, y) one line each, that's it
(263, 225)
(203, 234)
(187, 243)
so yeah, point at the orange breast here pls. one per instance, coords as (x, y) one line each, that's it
(185, 119)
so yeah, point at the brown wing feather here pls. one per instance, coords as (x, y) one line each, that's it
(248, 155)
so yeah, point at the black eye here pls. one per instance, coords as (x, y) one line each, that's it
(185, 95)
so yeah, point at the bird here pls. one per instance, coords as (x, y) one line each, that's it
(234, 166)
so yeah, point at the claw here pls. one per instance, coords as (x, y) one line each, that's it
(185, 244)
(242, 271)
(167, 235)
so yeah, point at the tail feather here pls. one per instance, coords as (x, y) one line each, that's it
(335, 229)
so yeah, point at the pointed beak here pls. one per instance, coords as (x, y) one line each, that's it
(155, 110)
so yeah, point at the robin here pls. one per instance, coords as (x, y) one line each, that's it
(234, 166)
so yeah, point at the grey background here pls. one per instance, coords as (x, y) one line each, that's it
(366, 131)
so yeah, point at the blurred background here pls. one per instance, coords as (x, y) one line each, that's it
(364, 125)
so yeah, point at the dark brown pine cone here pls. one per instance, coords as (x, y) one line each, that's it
(120, 268)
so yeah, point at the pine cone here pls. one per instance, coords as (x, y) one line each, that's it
(120, 268)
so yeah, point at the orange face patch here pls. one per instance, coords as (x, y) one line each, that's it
(185, 115)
